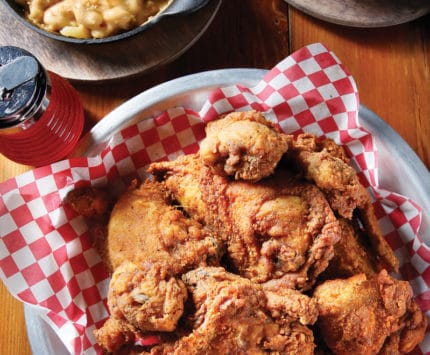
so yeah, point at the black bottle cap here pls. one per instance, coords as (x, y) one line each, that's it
(23, 86)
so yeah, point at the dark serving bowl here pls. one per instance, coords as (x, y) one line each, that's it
(175, 7)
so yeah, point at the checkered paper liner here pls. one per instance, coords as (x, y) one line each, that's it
(47, 259)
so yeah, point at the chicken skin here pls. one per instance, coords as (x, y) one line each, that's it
(327, 165)
(276, 228)
(361, 315)
(244, 145)
(231, 317)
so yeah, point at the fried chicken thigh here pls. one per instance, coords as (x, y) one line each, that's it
(276, 228)
(244, 145)
(361, 315)
(231, 317)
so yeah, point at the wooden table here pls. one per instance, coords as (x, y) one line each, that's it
(391, 67)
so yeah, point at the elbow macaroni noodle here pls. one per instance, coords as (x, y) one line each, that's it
(91, 18)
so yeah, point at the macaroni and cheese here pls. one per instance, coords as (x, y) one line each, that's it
(91, 18)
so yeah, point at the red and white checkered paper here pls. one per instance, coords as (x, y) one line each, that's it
(46, 257)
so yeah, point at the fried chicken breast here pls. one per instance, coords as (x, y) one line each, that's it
(144, 226)
(276, 228)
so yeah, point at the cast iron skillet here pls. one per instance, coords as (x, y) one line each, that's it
(176, 7)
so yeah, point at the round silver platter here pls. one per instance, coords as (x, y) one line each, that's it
(400, 169)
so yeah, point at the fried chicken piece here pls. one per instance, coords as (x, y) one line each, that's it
(244, 145)
(409, 335)
(276, 228)
(230, 317)
(199, 191)
(327, 165)
(145, 227)
(282, 229)
(361, 315)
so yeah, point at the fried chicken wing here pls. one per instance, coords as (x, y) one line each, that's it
(276, 228)
(361, 315)
(244, 145)
(231, 317)
(327, 165)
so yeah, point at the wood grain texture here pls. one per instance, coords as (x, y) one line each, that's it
(153, 47)
(390, 65)
(262, 26)
(13, 332)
